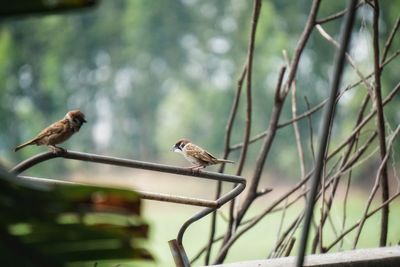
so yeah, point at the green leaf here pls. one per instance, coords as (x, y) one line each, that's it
(61, 224)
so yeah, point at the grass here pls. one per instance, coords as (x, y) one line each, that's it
(165, 219)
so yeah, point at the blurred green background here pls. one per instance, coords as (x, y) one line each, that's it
(147, 73)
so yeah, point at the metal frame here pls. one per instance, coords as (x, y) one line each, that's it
(178, 252)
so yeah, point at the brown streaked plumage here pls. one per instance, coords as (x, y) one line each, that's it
(197, 155)
(58, 132)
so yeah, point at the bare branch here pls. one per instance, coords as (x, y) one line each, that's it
(376, 185)
(290, 246)
(258, 218)
(328, 116)
(349, 230)
(316, 108)
(252, 193)
(380, 124)
(348, 57)
(367, 118)
(390, 39)
(228, 134)
(249, 64)
(204, 249)
(310, 129)
(337, 15)
(247, 130)
(346, 196)
(282, 219)
(264, 191)
(288, 234)
(301, 44)
(324, 216)
(296, 130)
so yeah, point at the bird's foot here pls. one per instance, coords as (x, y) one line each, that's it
(196, 169)
(57, 150)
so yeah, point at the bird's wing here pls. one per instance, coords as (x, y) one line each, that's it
(199, 153)
(53, 129)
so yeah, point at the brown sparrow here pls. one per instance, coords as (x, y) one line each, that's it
(58, 132)
(196, 155)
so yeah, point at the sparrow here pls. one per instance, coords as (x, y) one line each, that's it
(58, 132)
(196, 155)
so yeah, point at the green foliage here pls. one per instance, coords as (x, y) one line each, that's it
(59, 224)
(125, 62)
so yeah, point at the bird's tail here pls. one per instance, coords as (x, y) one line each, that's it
(225, 161)
(30, 142)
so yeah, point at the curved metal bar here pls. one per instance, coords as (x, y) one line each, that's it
(221, 201)
(240, 184)
(26, 164)
(142, 194)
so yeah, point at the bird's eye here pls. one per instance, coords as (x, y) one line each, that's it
(76, 120)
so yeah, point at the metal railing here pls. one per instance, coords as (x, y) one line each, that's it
(176, 246)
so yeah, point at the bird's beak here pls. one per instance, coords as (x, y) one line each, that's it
(84, 121)
(175, 148)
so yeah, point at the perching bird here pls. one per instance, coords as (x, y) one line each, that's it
(197, 155)
(58, 132)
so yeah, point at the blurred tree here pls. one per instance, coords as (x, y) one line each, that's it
(124, 63)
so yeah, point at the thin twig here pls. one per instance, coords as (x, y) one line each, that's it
(309, 120)
(282, 219)
(355, 161)
(290, 247)
(350, 229)
(306, 114)
(333, 226)
(204, 249)
(348, 57)
(390, 39)
(296, 130)
(258, 218)
(290, 231)
(249, 72)
(376, 185)
(346, 196)
(316, 108)
(246, 137)
(380, 124)
(321, 224)
(317, 238)
(260, 161)
(356, 140)
(278, 209)
(265, 148)
(328, 116)
(337, 15)
(228, 135)
(303, 180)
(366, 119)
(288, 234)
(301, 44)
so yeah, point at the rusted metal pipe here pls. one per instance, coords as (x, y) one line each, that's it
(221, 201)
(178, 199)
(142, 194)
(26, 164)
(178, 252)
